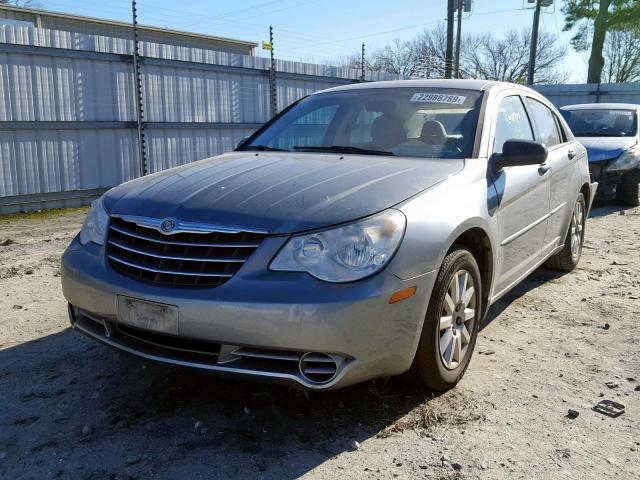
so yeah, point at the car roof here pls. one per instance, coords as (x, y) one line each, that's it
(464, 84)
(601, 106)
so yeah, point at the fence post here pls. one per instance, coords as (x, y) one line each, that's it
(273, 90)
(362, 65)
(142, 150)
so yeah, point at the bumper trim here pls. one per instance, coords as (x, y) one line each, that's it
(277, 366)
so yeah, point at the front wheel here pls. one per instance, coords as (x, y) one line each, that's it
(450, 326)
(628, 191)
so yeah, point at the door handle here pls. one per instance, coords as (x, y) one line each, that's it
(571, 153)
(543, 168)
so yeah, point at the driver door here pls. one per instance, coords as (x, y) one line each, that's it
(523, 194)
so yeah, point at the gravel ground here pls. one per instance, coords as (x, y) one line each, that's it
(73, 409)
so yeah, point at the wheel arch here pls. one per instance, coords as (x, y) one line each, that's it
(477, 241)
(585, 190)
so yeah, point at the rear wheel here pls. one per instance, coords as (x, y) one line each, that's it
(628, 191)
(569, 256)
(451, 324)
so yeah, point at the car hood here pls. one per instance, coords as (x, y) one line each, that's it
(279, 192)
(603, 148)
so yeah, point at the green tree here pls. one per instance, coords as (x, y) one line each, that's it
(21, 3)
(592, 19)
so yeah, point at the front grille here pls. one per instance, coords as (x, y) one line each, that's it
(180, 259)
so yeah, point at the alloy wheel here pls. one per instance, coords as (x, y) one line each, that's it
(577, 227)
(456, 320)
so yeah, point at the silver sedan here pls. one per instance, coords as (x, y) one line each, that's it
(364, 232)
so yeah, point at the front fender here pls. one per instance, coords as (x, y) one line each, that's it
(437, 217)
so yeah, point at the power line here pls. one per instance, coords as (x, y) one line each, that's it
(292, 42)
(258, 14)
(375, 34)
(235, 12)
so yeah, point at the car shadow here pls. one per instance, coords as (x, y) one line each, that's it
(542, 274)
(73, 408)
(539, 277)
(607, 208)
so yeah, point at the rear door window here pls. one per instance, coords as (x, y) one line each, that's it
(544, 123)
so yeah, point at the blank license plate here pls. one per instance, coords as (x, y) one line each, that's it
(148, 315)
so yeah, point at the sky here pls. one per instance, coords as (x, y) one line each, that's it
(321, 30)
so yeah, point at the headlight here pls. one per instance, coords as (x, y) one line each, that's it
(346, 253)
(94, 228)
(627, 159)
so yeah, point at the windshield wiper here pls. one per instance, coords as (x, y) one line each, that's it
(344, 149)
(262, 148)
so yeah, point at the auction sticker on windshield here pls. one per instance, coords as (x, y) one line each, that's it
(438, 98)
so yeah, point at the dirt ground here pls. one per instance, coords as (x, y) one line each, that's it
(73, 409)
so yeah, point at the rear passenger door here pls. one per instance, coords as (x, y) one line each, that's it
(563, 171)
(523, 193)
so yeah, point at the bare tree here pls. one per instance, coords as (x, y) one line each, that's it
(622, 56)
(482, 56)
(396, 57)
(507, 59)
(349, 61)
(431, 48)
(424, 54)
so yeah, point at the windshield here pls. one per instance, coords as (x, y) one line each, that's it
(415, 122)
(601, 123)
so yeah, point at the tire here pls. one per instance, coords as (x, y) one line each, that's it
(628, 191)
(430, 370)
(569, 257)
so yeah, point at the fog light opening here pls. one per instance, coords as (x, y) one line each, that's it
(317, 367)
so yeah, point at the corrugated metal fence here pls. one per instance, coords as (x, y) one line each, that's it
(67, 109)
(562, 95)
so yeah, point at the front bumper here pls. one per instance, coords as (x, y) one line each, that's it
(607, 180)
(277, 316)
(599, 173)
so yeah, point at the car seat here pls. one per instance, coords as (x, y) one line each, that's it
(387, 131)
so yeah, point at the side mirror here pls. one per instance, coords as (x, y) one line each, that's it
(241, 142)
(519, 152)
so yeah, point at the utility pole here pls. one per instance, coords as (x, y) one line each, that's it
(362, 69)
(534, 42)
(461, 6)
(456, 73)
(273, 91)
(142, 150)
(448, 61)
